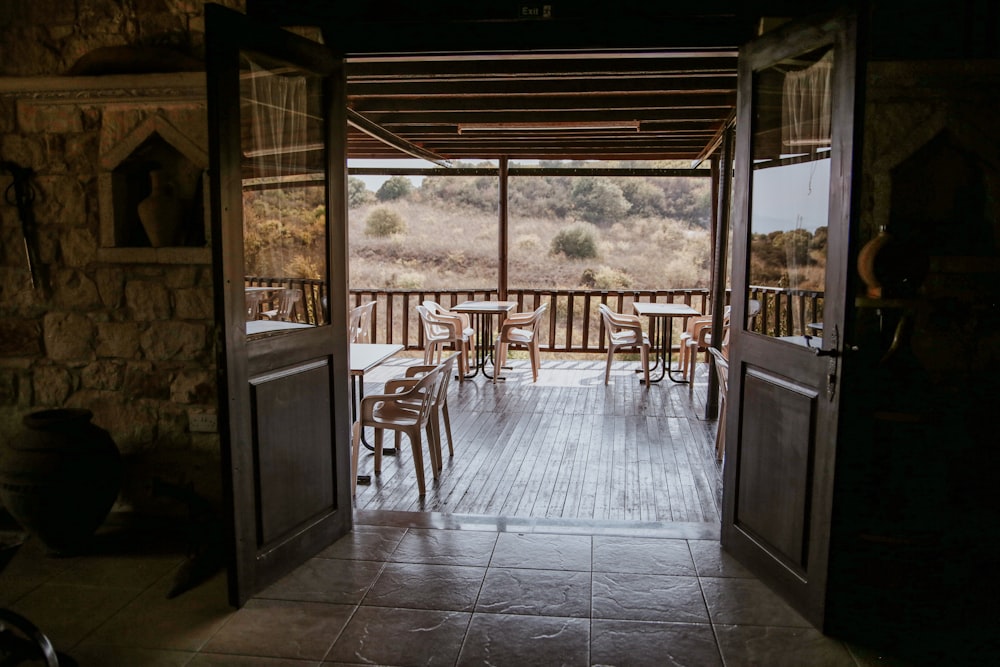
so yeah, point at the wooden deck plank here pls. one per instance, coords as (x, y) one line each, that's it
(567, 446)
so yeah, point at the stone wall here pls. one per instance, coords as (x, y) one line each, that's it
(129, 338)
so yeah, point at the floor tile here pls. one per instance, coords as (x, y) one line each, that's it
(507, 639)
(325, 580)
(642, 555)
(365, 543)
(183, 623)
(282, 629)
(535, 592)
(423, 586)
(710, 560)
(104, 656)
(648, 597)
(445, 547)
(747, 602)
(224, 660)
(641, 643)
(542, 551)
(752, 645)
(139, 571)
(403, 637)
(67, 614)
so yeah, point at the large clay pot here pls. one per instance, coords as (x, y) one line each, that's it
(162, 212)
(59, 477)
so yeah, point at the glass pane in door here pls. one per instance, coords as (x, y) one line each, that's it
(284, 197)
(790, 193)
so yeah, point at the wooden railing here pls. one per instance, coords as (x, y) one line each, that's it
(786, 312)
(572, 324)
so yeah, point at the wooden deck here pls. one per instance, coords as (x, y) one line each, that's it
(567, 447)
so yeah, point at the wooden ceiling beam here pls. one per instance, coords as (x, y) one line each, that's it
(575, 103)
(551, 87)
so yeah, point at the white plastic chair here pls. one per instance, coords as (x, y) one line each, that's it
(722, 372)
(407, 412)
(441, 331)
(360, 323)
(287, 300)
(520, 330)
(439, 408)
(624, 331)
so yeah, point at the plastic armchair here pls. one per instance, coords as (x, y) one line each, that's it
(467, 329)
(407, 412)
(441, 331)
(722, 373)
(439, 408)
(287, 300)
(696, 339)
(624, 331)
(520, 330)
(360, 323)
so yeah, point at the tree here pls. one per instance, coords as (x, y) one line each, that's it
(599, 201)
(358, 193)
(396, 187)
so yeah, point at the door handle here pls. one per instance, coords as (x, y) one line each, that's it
(833, 352)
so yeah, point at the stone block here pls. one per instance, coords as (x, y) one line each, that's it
(143, 380)
(72, 289)
(20, 338)
(52, 385)
(8, 386)
(35, 118)
(61, 200)
(118, 339)
(104, 374)
(171, 429)
(111, 286)
(8, 115)
(177, 277)
(26, 151)
(194, 387)
(68, 336)
(180, 341)
(195, 303)
(147, 300)
(79, 247)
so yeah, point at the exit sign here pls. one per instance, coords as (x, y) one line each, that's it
(534, 12)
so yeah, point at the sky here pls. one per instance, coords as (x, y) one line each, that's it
(782, 194)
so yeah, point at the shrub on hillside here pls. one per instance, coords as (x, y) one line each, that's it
(606, 278)
(396, 187)
(384, 221)
(578, 241)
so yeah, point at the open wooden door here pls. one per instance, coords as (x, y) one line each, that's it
(277, 121)
(792, 210)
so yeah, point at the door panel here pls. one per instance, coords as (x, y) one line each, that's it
(295, 486)
(278, 132)
(792, 212)
(776, 515)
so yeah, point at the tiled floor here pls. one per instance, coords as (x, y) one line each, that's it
(424, 589)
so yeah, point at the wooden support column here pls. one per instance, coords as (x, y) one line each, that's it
(722, 179)
(502, 233)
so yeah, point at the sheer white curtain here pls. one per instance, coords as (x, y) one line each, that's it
(806, 107)
(278, 117)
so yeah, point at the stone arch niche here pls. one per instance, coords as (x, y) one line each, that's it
(135, 142)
